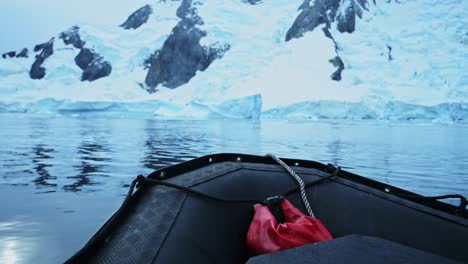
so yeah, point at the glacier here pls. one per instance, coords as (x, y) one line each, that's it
(405, 60)
(381, 110)
(238, 108)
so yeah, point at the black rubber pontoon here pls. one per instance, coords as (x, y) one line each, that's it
(160, 224)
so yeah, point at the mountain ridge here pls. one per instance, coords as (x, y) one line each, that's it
(177, 51)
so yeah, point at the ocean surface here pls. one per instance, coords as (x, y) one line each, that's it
(62, 177)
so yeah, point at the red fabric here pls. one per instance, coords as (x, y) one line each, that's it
(265, 235)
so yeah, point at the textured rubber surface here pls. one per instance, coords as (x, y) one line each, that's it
(352, 249)
(142, 233)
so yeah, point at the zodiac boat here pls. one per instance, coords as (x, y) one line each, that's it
(199, 212)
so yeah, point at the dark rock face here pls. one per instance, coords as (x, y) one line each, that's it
(314, 13)
(13, 54)
(337, 62)
(179, 59)
(37, 71)
(23, 53)
(72, 36)
(138, 18)
(327, 33)
(318, 12)
(311, 16)
(46, 49)
(98, 68)
(389, 56)
(93, 65)
(182, 55)
(10, 54)
(84, 58)
(252, 2)
(187, 11)
(347, 21)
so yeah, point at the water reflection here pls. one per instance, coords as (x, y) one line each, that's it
(93, 159)
(77, 155)
(334, 149)
(42, 162)
(14, 246)
(8, 254)
(164, 147)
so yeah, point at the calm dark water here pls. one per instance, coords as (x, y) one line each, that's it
(62, 177)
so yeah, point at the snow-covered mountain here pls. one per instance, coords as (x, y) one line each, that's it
(359, 59)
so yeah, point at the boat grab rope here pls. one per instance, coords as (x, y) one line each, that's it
(463, 201)
(140, 180)
(299, 181)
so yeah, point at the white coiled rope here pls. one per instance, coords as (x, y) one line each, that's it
(299, 181)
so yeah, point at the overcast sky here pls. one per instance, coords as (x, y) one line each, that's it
(24, 23)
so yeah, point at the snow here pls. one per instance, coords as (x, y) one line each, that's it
(428, 50)
(261, 74)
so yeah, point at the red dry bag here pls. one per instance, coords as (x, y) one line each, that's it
(269, 234)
